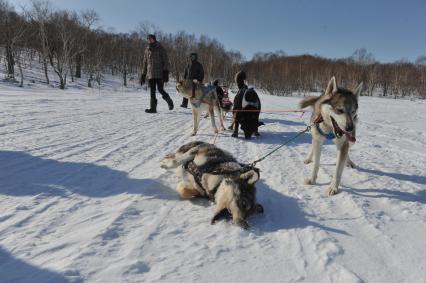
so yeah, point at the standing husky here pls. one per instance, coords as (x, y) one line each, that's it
(334, 117)
(205, 99)
(207, 171)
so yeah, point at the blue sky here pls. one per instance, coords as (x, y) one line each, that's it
(389, 29)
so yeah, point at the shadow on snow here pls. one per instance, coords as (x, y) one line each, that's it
(23, 174)
(283, 212)
(398, 176)
(419, 196)
(13, 269)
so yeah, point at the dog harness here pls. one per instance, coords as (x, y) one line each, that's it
(198, 171)
(205, 90)
(329, 136)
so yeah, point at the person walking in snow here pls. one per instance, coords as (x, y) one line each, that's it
(156, 70)
(193, 71)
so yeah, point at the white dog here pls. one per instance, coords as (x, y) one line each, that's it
(334, 117)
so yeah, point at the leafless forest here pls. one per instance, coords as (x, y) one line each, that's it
(75, 47)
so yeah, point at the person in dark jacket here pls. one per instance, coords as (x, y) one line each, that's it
(246, 99)
(155, 69)
(193, 71)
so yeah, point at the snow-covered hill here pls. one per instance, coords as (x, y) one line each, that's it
(82, 197)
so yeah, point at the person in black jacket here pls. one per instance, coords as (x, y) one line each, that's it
(193, 71)
(246, 99)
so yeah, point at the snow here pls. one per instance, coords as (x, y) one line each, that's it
(83, 199)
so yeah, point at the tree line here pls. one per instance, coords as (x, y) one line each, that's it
(283, 75)
(69, 43)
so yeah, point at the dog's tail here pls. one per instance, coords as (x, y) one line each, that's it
(309, 101)
(174, 160)
(184, 154)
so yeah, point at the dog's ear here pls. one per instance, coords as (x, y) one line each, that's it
(250, 177)
(332, 87)
(358, 90)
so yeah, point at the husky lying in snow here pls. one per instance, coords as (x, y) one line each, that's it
(205, 100)
(334, 117)
(207, 171)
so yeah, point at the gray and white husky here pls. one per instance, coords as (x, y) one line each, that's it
(205, 99)
(334, 117)
(207, 171)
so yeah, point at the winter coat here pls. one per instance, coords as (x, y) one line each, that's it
(251, 97)
(194, 71)
(155, 61)
(238, 99)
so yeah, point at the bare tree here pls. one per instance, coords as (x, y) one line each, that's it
(40, 14)
(63, 43)
(87, 19)
(12, 27)
(71, 44)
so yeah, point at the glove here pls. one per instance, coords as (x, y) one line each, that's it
(143, 79)
(195, 81)
(165, 76)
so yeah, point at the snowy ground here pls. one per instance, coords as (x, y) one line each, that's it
(82, 197)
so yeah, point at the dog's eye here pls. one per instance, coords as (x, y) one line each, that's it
(340, 111)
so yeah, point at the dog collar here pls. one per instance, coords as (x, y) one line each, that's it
(329, 136)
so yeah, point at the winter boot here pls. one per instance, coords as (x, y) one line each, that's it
(184, 103)
(169, 101)
(153, 108)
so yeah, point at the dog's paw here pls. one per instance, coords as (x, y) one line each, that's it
(243, 224)
(332, 190)
(350, 164)
(235, 135)
(216, 131)
(307, 161)
(168, 162)
(193, 133)
(309, 181)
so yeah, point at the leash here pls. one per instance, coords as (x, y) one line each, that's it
(253, 164)
(215, 138)
(247, 167)
(272, 111)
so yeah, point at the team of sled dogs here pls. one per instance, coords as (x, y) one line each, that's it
(208, 171)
